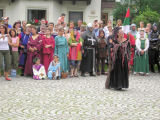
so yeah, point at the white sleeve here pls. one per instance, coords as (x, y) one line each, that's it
(35, 72)
(146, 44)
(42, 70)
(138, 45)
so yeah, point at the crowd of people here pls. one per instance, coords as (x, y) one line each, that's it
(56, 51)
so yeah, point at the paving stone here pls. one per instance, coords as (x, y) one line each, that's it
(79, 99)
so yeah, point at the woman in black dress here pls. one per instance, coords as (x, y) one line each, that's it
(119, 53)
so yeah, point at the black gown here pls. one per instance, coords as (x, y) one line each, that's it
(119, 72)
(154, 50)
(88, 57)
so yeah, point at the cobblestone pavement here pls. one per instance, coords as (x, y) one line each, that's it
(79, 99)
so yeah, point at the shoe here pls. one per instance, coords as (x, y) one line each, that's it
(71, 76)
(92, 75)
(83, 75)
(98, 73)
(75, 75)
(103, 73)
(118, 88)
(58, 78)
(8, 79)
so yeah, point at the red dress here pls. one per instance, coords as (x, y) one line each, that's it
(48, 52)
(37, 43)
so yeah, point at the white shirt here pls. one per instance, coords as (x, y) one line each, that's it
(4, 43)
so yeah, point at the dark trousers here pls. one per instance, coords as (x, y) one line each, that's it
(102, 62)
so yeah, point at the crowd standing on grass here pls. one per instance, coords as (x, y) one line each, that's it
(56, 51)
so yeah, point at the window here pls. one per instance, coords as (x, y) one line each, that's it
(35, 14)
(75, 16)
(1, 13)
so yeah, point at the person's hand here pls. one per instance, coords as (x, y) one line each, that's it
(142, 52)
(41, 74)
(8, 35)
(35, 48)
(11, 44)
(22, 46)
(31, 49)
(82, 51)
(47, 46)
(19, 31)
(3, 36)
(67, 55)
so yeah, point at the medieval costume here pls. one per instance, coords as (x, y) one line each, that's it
(38, 72)
(61, 49)
(101, 53)
(33, 43)
(89, 48)
(132, 43)
(153, 49)
(75, 53)
(141, 63)
(48, 52)
(23, 51)
(118, 77)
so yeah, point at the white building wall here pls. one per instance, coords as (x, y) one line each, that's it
(90, 12)
(18, 10)
(93, 11)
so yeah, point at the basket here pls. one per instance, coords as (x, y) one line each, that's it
(64, 75)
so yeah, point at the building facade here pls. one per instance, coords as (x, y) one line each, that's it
(86, 10)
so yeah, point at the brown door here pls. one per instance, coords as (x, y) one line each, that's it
(105, 18)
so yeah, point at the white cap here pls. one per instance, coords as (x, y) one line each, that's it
(89, 25)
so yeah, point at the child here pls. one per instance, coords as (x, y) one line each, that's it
(54, 69)
(101, 52)
(38, 70)
(14, 43)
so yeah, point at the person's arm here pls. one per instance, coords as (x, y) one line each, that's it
(10, 40)
(138, 45)
(56, 48)
(17, 43)
(38, 47)
(35, 72)
(66, 43)
(146, 45)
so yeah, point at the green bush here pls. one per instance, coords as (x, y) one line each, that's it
(148, 16)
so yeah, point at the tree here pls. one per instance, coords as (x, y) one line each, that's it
(121, 9)
(148, 16)
(153, 4)
(137, 7)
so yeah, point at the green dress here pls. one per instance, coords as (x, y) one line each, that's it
(141, 62)
(61, 49)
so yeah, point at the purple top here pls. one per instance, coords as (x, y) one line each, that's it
(37, 67)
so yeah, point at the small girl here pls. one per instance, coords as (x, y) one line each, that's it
(14, 43)
(38, 70)
(101, 52)
(54, 69)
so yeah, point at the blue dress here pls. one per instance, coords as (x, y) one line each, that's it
(23, 52)
(61, 49)
(54, 68)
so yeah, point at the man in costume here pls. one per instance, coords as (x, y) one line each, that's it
(89, 52)
(153, 49)
(132, 38)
